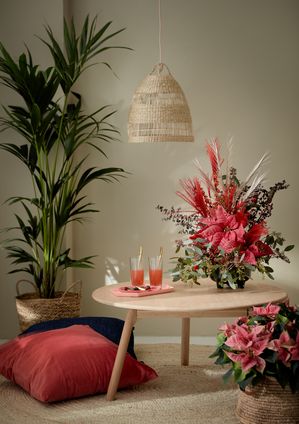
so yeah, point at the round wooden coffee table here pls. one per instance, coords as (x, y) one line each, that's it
(184, 302)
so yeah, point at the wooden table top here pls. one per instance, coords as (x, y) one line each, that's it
(205, 297)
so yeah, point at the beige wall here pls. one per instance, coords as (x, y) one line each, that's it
(238, 64)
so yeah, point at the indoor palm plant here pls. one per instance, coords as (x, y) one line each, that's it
(54, 127)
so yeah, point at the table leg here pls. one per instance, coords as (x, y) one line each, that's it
(121, 353)
(185, 341)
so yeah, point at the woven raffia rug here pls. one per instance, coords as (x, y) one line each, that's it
(193, 394)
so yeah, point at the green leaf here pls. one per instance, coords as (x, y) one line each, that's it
(248, 380)
(239, 374)
(269, 269)
(221, 338)
(227, 376)
(270, 356)
(231, 281)
(106, 174)
(290, 247)
(36, 116)
(281, 319)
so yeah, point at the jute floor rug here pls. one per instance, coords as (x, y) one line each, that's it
(189, 395)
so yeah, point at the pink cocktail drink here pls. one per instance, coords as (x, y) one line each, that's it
(137, 277)
(155, 276)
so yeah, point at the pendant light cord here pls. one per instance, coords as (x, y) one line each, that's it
(160, 31)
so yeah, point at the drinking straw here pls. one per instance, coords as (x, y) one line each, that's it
(140, 255)
(161, 254)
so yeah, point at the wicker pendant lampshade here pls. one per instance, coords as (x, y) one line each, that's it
(159, 110)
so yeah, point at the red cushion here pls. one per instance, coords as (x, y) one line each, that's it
(67, 363)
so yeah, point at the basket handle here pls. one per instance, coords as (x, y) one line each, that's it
(79, 282)
(25, 281)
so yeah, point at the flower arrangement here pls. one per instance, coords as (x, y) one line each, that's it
(226, 236)
(262, 344)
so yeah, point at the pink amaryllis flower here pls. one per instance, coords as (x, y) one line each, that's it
(222, 229)
(250, 343)
(269, 310)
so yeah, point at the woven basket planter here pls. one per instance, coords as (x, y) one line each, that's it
(32, 309)
(268, 403)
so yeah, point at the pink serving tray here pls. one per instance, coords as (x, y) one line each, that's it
(120, 291)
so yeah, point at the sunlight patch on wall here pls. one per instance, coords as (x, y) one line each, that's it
(112, 271)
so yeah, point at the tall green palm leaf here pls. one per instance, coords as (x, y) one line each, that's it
(53, 131)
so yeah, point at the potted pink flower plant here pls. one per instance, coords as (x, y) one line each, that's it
(264, 343)
(262, 352)
(226, 235)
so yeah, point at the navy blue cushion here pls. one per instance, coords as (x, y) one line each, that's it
(108, 327)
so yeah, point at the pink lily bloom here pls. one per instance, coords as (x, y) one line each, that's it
(269, 310)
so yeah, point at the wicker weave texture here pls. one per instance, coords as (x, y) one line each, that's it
(34, 310)
(31, 309)
(159, 110)
(268, 403)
